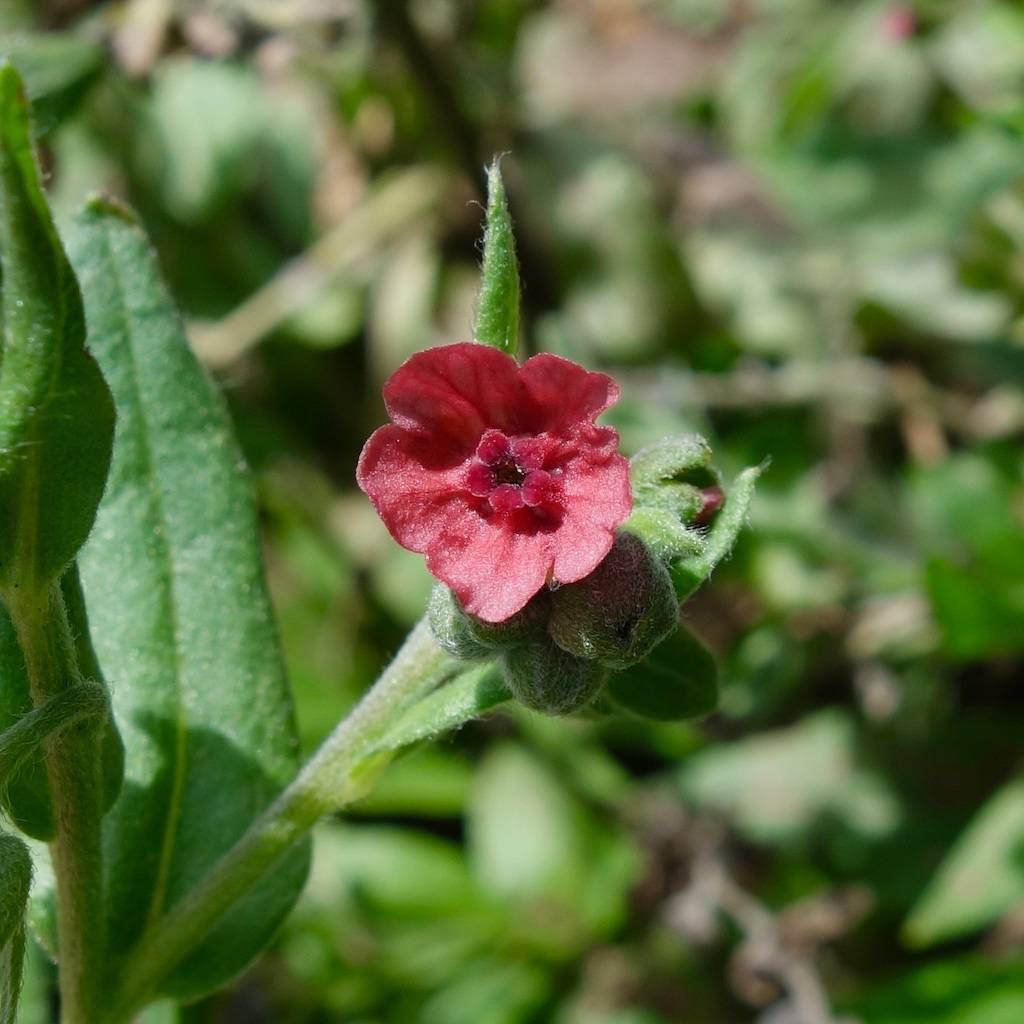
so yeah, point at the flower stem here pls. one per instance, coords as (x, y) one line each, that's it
(73, 771)
(322, 786)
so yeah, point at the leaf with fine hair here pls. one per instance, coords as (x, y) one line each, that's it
(56, 413)
(15, 881)
(676, 681)
(497, 311)
(181, 619)
(469, 695)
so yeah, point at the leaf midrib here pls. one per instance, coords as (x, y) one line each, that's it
(156, 495)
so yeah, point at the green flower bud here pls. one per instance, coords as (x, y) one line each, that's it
(546, 678)
(618, 613)
(670, 458)
(664, 534)
(451, 626)
(672, 474)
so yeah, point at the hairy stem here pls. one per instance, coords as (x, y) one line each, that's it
(73, 771)
(324, 785)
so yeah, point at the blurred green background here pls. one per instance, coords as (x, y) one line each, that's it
(796, 226)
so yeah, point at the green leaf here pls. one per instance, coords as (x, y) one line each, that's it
(676, 681)
(57, 69)
(15, 880)
(56, 414)
(691, 572)
(778, 785)
(469, 695)
(972, 989)
(981, 878)
(181, 619)
(497, 311)
(532, 841)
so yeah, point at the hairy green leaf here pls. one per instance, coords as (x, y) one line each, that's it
(56, 414)
(15, 879)
(181, 620)
(497, 311)
(677, 680)
(469, 695)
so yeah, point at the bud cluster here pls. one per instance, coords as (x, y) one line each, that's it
(558, 652)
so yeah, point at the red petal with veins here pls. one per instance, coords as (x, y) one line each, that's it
(458, 391)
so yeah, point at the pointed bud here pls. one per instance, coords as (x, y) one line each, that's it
(548, 679)
(620, 611)
(497, 311)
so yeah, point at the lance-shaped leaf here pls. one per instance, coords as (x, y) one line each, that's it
(15, 879)
(497, 311)
(181, 621)
(469, 695)
(56, 414)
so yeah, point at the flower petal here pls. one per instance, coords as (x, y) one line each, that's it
(457, 392)
(412, 483)
(567, 393)
(493, 570)
(596, 499)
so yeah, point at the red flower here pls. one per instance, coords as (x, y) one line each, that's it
(497, 472)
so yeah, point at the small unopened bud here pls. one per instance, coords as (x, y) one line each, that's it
(711, 500)
(451, 626)
(618, 613)
(546, 678)
(674, 475)
(671, 458)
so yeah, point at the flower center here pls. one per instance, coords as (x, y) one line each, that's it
(509, 475)
(508, 471)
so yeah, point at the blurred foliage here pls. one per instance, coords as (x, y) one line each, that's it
(794, 225)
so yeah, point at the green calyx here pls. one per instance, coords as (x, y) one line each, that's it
(466, 637)
(450, 626)
(618, 613)
(546, 678)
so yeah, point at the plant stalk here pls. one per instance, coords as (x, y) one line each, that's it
(73, 771)
(323, 785)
